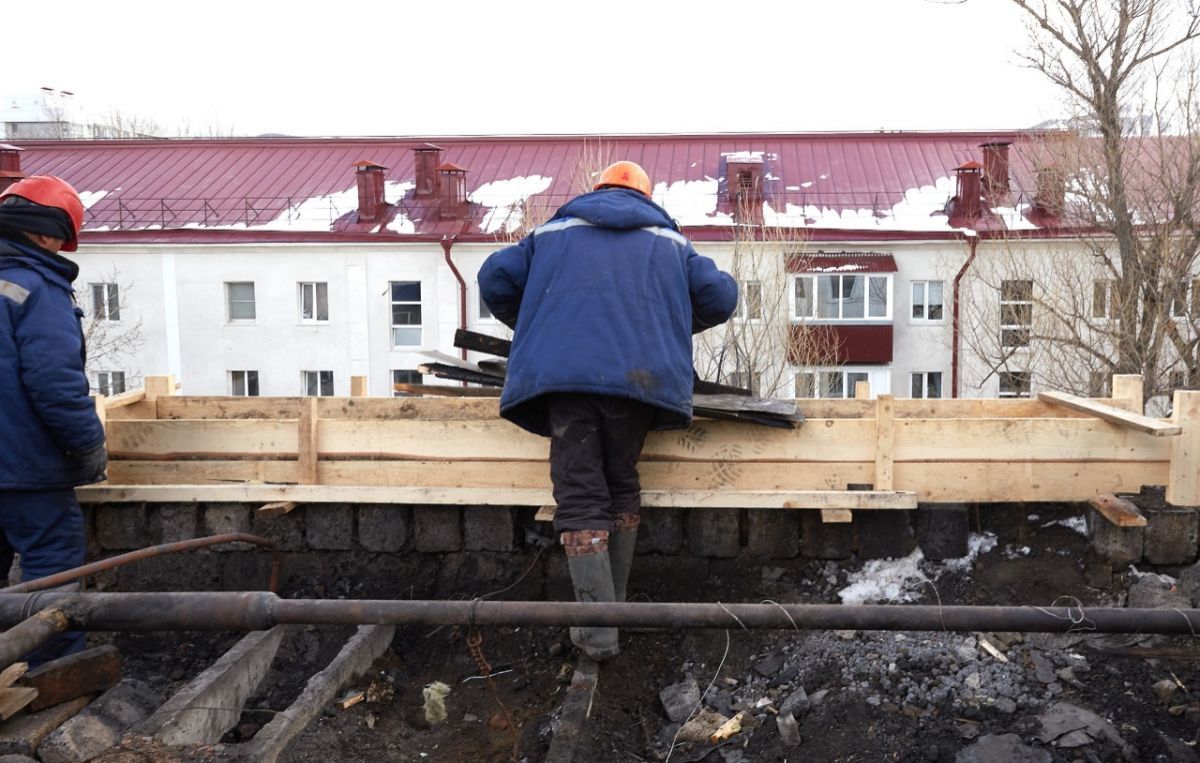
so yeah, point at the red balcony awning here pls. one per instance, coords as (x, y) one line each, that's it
(842, 262)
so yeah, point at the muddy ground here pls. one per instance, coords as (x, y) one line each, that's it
(855, 696)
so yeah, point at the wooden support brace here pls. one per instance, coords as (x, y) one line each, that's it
(1127, 392)
(358, 386)
(308, 442)
(838, 516)
(1111, 414)
(276, 509)
(1119, 511)
(885, 431)
(1183, 487)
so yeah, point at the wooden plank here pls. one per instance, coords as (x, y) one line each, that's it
(1003, 482)
(14, 699)
(1020, 440)
(1111, 414)
(124, 399)
(159, 386)
(837, 516)
(849, 499)
(387, 408)
(145, 409)
(308, 439)
(1183, 480)
(10, 674)
(358, 386)
(443, 371)
(446, 390)
(545, 513)
(765, 406)
(1119, 511)
(442, 359)
(473, 340)
(701, 387)
(76, 675)
(862, 390)
(101, 412)
(173, 438)
(884, 442)
(1127, 392)
(192, 472)
(24, 733)
(276, 509)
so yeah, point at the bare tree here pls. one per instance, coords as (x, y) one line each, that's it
(1124, 180)
(113, 338)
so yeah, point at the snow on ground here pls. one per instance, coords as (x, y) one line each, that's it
(902, 580)
(506, 199)
(1078, 524)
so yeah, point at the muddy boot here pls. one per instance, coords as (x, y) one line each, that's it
(591, 575)
(620, 551)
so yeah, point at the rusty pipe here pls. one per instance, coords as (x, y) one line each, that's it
(260, 610)
(77, 573)
(30, 633)
(447, 244)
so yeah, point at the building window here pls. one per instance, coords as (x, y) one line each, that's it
(927, 300)
(842, 297)
(749, 307)
(1016, 313)
(239, 300)
(926, 384)
(314, 301)
(828, 384)
(485, 312)
(106, 301)
(406, 313)
(316, 383)
(1014, 384)
(1099, 299)
(405, 376)
(243, 383)
(110, 382)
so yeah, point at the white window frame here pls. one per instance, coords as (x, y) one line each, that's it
(315, 288)
(482, 313)
(924, 376)
(1018, 393)
(320, 383)
(743, 305)
(1028, 328)
(419, 327)
(107, 383)
(925, 303)
(420, 379)
(849, 377)
(246, 380)
(229, 302)
(815, 311)
(106, 302)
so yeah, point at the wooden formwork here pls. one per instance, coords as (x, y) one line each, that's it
(861, 453)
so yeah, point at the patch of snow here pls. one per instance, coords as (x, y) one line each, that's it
(1032, 518)
(1014, 217)
(90, 198)
(921, 209)
(836, 268)
(691, 202)
(1013, 552)
(744, 156)
(977, 543)
(506, 199)
(316, 213)
(806, 184)
(1164, 579)
(822, 177)
(1078, 524)
(770, 176)
(792, 188)
(898, 580)
(393, 192)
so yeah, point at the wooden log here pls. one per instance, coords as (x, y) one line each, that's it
(276, 509)
(1119, 511)
(884, 442)
(14, 699)
(1111, 414)
(308, 442)
(76, 675)
(1183, 485)
(473, 340)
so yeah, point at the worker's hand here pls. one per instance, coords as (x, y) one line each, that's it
(95, 463)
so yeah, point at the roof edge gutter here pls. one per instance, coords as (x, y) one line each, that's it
(447, 243)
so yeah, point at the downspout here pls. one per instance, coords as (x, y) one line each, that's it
(972, 243)
(462, 287)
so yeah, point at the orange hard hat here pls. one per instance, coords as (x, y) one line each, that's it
(626, 175)
(50, 191)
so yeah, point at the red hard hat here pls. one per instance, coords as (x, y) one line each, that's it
(50, 191)
(626, 175)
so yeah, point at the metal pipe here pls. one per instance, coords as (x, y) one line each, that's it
(30, 633)
(447, 244)
(260, 610)
(77, 573)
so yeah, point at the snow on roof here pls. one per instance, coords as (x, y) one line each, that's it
(506, 199)
(692, 202)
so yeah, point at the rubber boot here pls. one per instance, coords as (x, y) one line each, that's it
(620, 551)
(592, 578)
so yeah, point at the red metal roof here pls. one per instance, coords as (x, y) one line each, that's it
(872, 183)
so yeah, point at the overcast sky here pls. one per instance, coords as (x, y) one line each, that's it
(466, 67)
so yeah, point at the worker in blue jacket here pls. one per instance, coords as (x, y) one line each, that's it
(51, 439)
(604, 299)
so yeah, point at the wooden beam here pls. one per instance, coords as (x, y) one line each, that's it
(169, 438)
(14, 699)
(307, 438)
(1183, 487)
(125, 398)
(358, 386)
(473, 340)
(1111, 414)
(1119, 511)
(445, 390)
(836, 516)
(862, 390)
(1127, 392)
(9, 675)
(276, 509)
(1020, 440)
(159, 386)
(78, 674)
(884, 442)
(545, 513)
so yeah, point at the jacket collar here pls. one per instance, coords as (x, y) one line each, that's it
(53, 267)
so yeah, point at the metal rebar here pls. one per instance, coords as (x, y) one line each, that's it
(259, 610)
(30, 633)
(77, 573)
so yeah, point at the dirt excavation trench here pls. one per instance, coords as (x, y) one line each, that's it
(492, 693)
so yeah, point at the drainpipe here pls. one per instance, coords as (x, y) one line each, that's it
(462, 288)
(972, 243)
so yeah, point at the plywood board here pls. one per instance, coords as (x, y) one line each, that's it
(168, 438)
(1019, 440)
(950, 482)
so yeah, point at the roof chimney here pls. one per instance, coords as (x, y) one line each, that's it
(1050, 198)
(371, 203)
(454, 190)
(995, 167)
(966, 202)
(428, 156)
(744, 184)
(10, 165)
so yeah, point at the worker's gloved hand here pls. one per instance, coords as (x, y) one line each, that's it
(94, 463)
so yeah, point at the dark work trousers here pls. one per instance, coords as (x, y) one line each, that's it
(595, 442)
(46, 528)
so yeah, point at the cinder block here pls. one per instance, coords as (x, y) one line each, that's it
(1119, 546)
(221, 518)
(1170, 534)
(488, 528)
(285, 530)
(121, 526)
(382, 527)
(942, 530)
(329, 526)
(773, 533)
(173, 522)
(437, 529)
(714, 532)
(884, 534)
(661, 532)
(825, 540)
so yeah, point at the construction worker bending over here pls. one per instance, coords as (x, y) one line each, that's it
(50, 436)
(604, 299)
